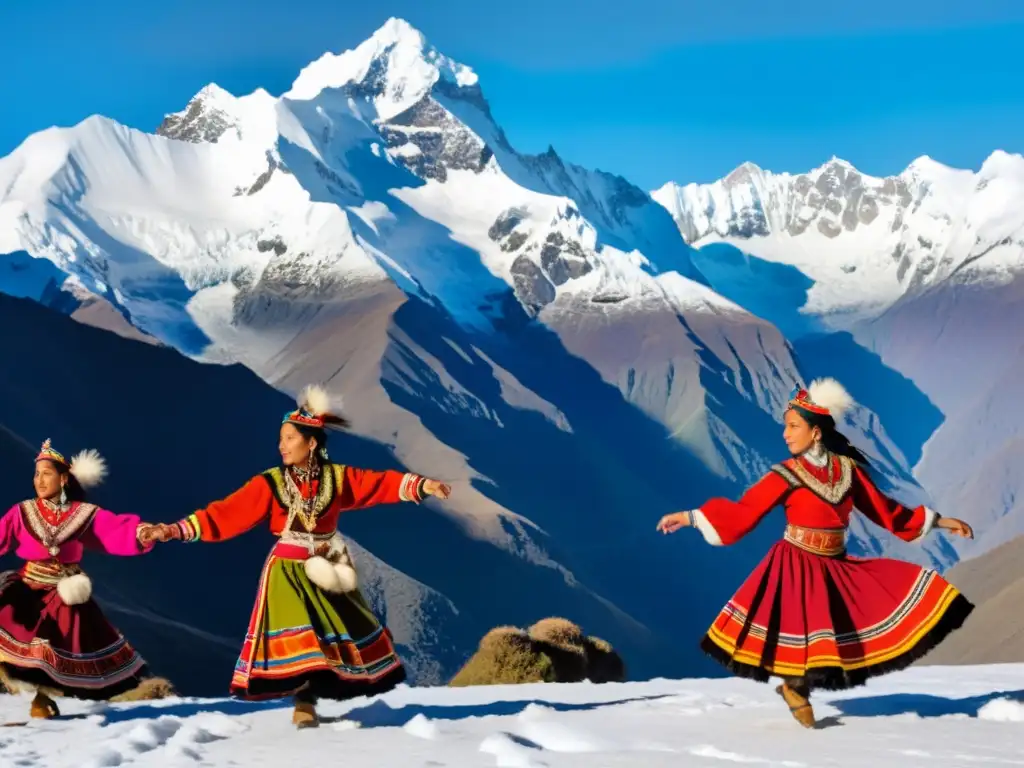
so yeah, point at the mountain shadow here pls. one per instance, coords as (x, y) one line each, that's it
(596, 493)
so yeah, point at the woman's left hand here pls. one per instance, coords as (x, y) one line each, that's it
(149, 534)
(956, 527)
(437, 489)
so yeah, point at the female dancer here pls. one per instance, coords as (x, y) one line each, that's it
(53, 636)
(312, 634)
(809, 613)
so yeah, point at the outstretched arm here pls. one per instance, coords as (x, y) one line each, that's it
(722, 521)
(117, 534)
(363, 488)
(232, 516)
(909, 524)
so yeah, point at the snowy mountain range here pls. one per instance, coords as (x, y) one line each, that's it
(537, 333)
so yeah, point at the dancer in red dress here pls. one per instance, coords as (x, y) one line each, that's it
(810, 613)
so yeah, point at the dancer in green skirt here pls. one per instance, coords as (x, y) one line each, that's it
(312, 634)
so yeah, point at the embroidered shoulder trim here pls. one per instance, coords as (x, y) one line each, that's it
(794, 473)
(785, 474)
(53, 536)
(286, 492)
(339, 479)
(275, 479)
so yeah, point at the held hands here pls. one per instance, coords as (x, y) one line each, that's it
(155, 532)
(673, 522)
(956, 527)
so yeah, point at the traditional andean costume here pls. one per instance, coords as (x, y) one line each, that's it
(53, 636)
(810, 613)
(311, 633)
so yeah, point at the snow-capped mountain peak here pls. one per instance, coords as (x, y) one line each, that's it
(396, 66)
(862, 241)
(214, 115)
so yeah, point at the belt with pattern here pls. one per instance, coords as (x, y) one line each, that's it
(829, 542)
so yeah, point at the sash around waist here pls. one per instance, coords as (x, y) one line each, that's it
(300, 547)
(829, 542)
(48, 572)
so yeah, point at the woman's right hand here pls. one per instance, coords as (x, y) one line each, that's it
(673, 522)
(163, 533)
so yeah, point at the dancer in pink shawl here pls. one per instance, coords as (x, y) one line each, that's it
(53, 636)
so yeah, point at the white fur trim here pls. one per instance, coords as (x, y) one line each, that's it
(348, 580)
(707, 530)
(75, 590)
(931, 517)
(830, 394)
(89, 468)
(322, 573)
(315, 400)
(343, 564)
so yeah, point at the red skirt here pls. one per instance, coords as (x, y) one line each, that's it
(70, 648)
(834, 621)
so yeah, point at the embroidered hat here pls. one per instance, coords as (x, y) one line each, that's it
(314, 410)
(48, 453)
(824, 397)
(88, 467)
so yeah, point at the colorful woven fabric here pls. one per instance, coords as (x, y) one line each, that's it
(300, 634)
(836, 621)
(74, 649)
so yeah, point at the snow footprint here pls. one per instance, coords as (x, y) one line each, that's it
(178, 738)
(137, 740)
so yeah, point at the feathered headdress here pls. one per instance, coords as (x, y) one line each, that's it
(88, 466)
(824, 397)
(315, 410)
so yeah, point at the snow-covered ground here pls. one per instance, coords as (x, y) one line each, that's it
(937, 716)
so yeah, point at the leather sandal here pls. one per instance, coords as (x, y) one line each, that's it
(799, 706)
(43, 707)
(305, 715)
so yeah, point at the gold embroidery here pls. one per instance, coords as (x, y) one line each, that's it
(53, 536)
(288, 495)
(833, 492)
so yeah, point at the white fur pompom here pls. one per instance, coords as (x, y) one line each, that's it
(348, 580)
(75, 590)
(315, 400)
(89, 468)
(829, 393)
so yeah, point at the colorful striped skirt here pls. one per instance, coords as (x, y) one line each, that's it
(71, 650)
(301, 637)
(833, 620)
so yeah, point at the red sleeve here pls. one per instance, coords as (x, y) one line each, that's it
(240, 512)
(367, 488)
(724, 522)
(909, 524)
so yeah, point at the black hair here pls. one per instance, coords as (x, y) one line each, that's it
(833, 440)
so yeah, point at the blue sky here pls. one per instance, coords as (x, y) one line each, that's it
(652, 90)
